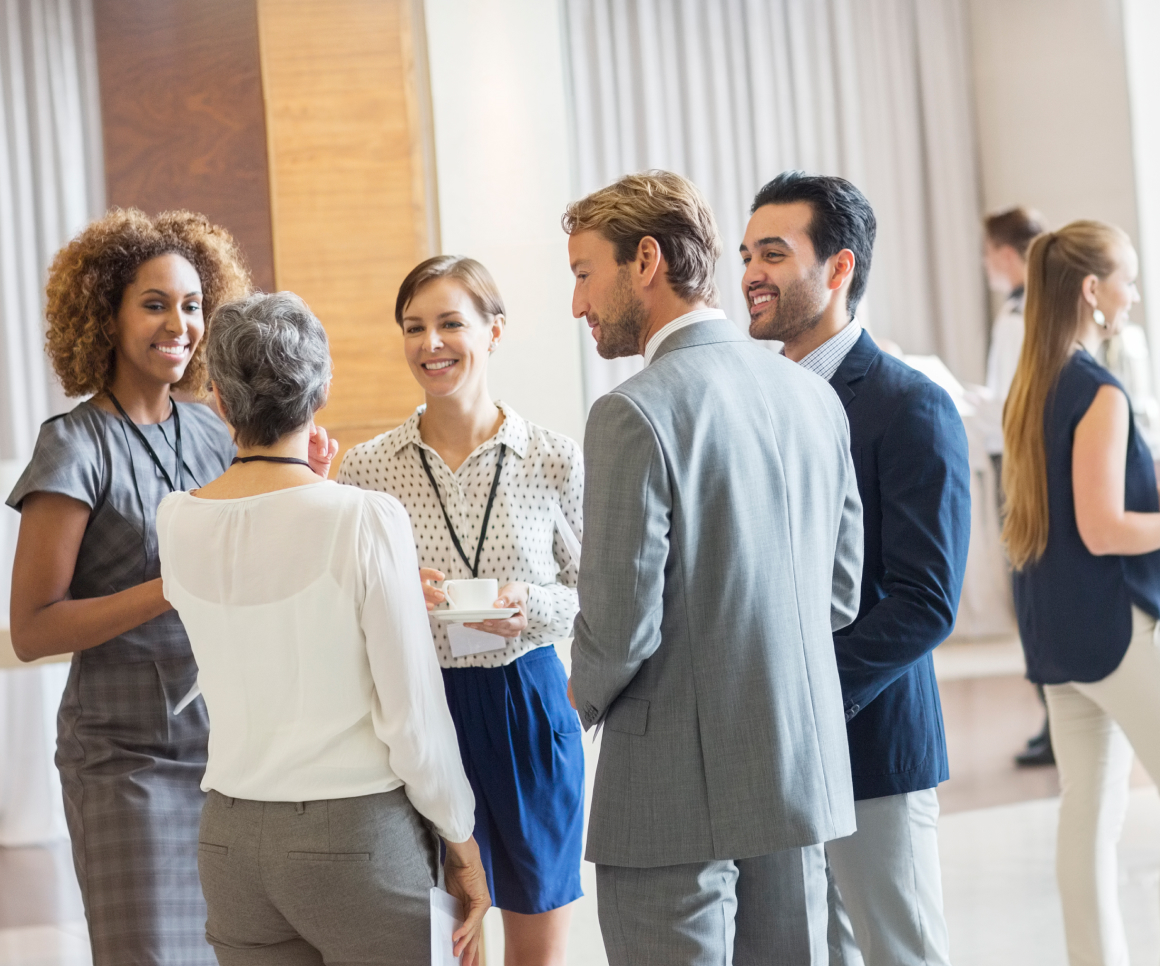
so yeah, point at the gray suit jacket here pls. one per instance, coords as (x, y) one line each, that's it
(722, 547)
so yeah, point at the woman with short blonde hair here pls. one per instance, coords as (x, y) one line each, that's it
(1083, 533)
(493, 496)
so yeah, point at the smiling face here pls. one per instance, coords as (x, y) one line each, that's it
(447, 339)
(604, 296)
(159, 323)
(784, 285)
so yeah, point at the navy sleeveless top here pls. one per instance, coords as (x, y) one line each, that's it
(1074, 608)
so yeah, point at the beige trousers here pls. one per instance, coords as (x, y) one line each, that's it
(1094, 730)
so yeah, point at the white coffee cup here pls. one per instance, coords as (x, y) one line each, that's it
(477, 594)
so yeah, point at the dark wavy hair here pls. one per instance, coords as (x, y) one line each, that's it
(88, 277)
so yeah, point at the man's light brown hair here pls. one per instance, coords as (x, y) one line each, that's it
(1016, 227)
(663, 206)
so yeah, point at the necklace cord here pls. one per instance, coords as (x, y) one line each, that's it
(270, 459)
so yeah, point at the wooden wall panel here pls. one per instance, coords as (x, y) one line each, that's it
(183, 117)
(348, 190)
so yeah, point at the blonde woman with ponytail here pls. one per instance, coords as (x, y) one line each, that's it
(1083, 533)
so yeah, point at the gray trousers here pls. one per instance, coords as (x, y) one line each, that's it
(339, 882)
(743, 912)
(887, 879)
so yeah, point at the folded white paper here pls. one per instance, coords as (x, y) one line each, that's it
(445, 919)
(190, 697)
(466, 641)
(567, 534)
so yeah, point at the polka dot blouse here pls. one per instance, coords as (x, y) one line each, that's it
(541, 470)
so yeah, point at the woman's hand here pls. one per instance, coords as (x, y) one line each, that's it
(431, 594)
(466, 880)
(510, 595)
(322, 451)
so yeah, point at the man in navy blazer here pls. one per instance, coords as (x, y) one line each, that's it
(807, 252)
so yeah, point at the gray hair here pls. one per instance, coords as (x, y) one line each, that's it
(270, 360)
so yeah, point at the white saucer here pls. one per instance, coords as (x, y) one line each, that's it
(474, 616)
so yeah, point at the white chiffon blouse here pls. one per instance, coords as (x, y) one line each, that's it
(313, 648)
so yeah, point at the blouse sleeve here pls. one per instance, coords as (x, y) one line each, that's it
(553, 607)
(410, 711)
(68, 459)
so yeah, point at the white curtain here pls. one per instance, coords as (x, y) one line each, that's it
(51, 185)
(731, 92)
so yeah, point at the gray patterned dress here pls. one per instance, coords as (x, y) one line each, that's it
(130, 769)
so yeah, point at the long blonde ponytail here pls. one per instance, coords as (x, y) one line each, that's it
(1057, 264)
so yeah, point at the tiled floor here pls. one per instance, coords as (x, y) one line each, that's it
(997, 839)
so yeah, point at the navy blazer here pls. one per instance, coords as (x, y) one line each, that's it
(910, 456)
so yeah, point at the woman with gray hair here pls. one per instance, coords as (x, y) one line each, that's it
(333, 760)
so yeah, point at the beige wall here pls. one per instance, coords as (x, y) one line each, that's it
(504, 176)
(1051, 93)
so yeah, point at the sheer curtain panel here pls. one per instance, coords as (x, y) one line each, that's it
(731, 92)
(51, 184)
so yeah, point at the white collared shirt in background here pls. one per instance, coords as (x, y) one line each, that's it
(826, 358)
(699, 315)
(306, 617)
(541, 469)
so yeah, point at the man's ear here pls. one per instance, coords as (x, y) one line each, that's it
(841, 269)
(649, 259)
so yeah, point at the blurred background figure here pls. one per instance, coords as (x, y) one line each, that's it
(1083, 534)
(1008, 235)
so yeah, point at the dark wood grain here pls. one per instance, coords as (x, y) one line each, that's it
(183, 114)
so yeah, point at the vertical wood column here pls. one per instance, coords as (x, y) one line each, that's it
(350, 197)
(182, 114)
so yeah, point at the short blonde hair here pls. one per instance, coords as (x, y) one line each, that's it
(663, 206)
(466, 271)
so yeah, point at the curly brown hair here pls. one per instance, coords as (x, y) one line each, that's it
(89, 275)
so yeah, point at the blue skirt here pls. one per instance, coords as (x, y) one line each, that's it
(520, 742)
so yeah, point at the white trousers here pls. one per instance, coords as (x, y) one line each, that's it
(886, 885)
(1094, 730)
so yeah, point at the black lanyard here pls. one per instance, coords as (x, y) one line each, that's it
(486, 513)
(151, 451)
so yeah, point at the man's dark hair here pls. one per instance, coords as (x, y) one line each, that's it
(842, 218)
(1016, 227)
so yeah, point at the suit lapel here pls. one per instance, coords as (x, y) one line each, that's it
(854, 367)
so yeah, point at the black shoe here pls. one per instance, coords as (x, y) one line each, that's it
(1038, 752)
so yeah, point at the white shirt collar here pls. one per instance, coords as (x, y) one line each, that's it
(699, 315)
(513, 431)
(826, 358)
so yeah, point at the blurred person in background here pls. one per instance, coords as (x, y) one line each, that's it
(1007, 236)
(127, 303)
(488, 493)
(332, 757)
(1083, 533)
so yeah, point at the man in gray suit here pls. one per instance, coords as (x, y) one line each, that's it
(722, 547)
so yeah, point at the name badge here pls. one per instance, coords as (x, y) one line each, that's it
(466, 641)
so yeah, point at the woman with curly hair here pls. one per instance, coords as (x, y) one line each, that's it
(127, 304)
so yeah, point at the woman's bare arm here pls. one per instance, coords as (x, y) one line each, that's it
(1098, 464)
(44, 620)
